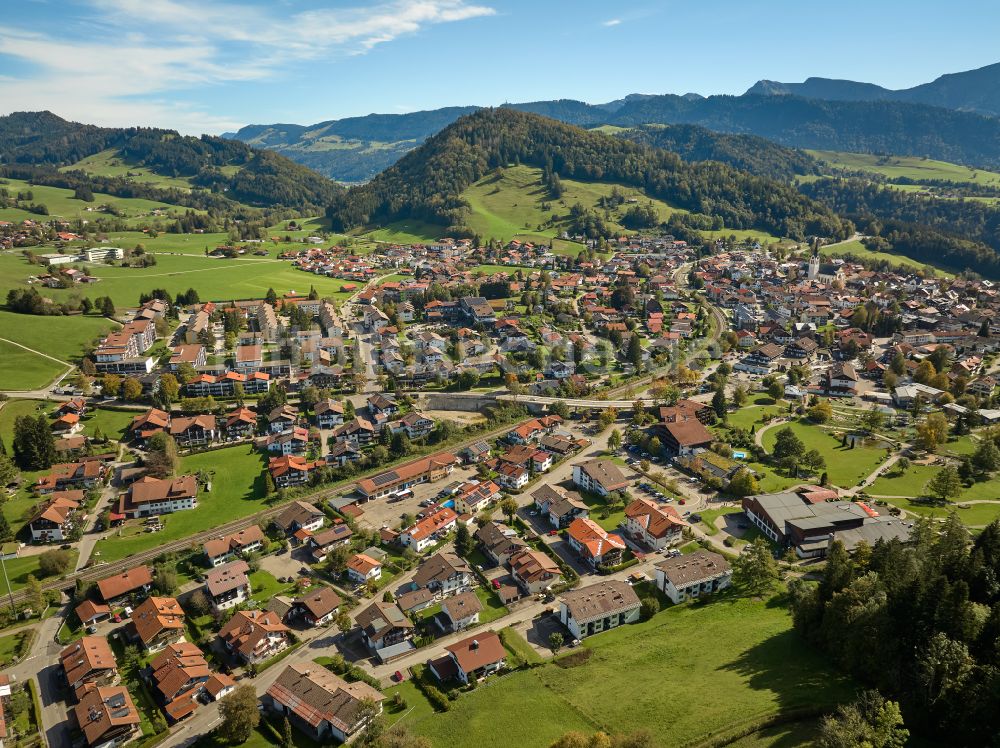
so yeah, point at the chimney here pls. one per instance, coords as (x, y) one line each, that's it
(475, 644)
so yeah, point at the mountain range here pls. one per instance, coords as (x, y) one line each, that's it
(973, 90)
(949, 119)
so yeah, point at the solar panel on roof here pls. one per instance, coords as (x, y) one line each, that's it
(384, 478)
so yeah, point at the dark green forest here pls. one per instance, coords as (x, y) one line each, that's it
(744, 152)
(920, 622)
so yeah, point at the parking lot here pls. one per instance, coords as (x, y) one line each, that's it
(380, 513)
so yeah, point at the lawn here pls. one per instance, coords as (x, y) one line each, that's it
(25, 370)
(19, 569)
(237, 491)
(708, 517)
(792, 735)
(261, 737)
(763, 669)
(10, 647)
(492, 607)
(596, 505)
(518, 646)
(112, 423)
(416, 705)
(265, 586)
(845, 467)
(10, 410)
(974, 515)
(751, 415)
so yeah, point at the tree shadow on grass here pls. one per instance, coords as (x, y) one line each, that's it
(799, 677)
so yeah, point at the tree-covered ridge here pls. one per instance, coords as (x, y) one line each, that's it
(920, 622)
(744, 152)
(42, 142)
(426, 184)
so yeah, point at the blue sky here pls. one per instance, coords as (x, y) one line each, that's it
(206, 66)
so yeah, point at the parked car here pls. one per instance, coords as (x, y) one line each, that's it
(553, 533)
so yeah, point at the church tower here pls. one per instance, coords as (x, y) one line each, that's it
(814, 264)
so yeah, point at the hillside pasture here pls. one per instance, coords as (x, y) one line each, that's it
(61, 203)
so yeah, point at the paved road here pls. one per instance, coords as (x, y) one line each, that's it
(41, 665)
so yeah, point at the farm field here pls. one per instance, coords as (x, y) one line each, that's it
(213, 279)
(845, 467)
(910, 167)
(857, 249)
(24, 370)
(764, 668)
(237, 491)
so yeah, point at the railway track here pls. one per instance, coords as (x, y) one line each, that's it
(104, 570)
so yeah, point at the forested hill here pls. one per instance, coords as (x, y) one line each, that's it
(744, 152)
(36, 144)
(358, 148)
(427, 183)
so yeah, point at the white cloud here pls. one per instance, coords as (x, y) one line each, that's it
(126, 77)
(612, 22)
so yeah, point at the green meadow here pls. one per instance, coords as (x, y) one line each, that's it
(762, 669)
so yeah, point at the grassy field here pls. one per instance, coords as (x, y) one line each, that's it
(508, 204)
(910, 167)
(61, 203)
(109, 163)
(763, 668)
(845, 467)
(237, 490)
(18, 570)
(913, 483)
(212, 278)
(857, 249)
(24, 370)
(757, 408)
(65, 338)
(112, 423)
(9, 413)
